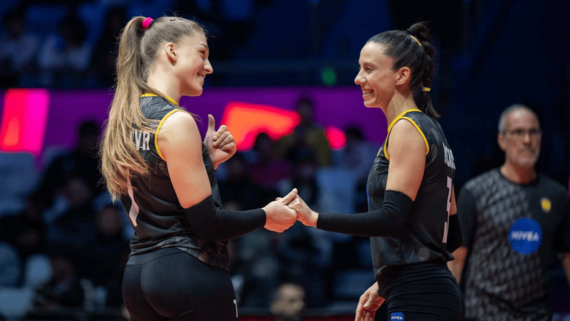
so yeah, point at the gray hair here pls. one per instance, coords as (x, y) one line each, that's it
(512, 108)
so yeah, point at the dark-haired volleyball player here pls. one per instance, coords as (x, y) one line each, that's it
(411, 219)
(154, 160)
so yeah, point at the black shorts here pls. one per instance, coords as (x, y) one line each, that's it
(169, 284)
(424, 292)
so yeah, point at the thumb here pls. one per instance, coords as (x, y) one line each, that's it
(211, 123)
(368, 303)
(290, 197)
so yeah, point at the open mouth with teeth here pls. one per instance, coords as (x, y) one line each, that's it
(201, 77)
(366, 93)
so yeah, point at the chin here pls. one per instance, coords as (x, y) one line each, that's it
(371, 104)
(194, 92)
(527, 163)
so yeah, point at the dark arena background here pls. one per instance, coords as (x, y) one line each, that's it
(271, 59)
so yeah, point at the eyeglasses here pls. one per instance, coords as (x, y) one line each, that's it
(520, 133)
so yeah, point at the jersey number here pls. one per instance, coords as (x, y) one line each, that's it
(446, 227)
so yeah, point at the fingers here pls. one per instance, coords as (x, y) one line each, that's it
(360, 312)
(211, 124)
(229, 147)
(290, 197)
(225, 139)
(221, 135)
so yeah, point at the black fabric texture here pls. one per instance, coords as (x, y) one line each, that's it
(211, 223)
(169, 284)
(390, 220)
(454, 237)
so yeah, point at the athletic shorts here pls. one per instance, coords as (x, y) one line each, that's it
(169, 284)
(424, 292)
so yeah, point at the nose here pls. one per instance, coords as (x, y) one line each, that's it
(208, 67)
(526, 138)
(359, 80)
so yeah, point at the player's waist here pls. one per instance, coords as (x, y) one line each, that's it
(433, 271)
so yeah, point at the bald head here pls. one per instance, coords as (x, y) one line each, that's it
(509, 111)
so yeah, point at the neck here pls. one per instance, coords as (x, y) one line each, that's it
(399, 104)
(518, 174)
(166, 84)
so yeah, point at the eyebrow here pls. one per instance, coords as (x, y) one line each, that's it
(205, 45)
(366, 63)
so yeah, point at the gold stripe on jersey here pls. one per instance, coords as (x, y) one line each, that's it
(158, 129)
(400, 116)
(154, 95)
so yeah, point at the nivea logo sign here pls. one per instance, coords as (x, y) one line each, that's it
(397, 316)
(525, 235)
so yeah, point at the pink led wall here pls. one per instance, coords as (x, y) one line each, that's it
(24, 119)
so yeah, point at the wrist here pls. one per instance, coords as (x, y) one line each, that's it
(314, 219)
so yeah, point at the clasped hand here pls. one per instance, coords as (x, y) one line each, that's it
(284, 212)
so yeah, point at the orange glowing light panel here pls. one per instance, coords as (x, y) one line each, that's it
(245, 121)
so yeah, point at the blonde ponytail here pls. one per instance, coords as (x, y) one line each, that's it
(120, 160)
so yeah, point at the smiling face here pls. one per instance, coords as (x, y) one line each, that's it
(192, 64)
(375, 76)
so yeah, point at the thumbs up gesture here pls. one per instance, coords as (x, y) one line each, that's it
(220, 144)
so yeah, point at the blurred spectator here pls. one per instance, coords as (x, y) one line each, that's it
(304, 255)
(304, 177)
(67, 50)
(82, 162)
(308, 134)
(514, 222)
(256, 267)
(9, 265)
(105, 254)
(74, 228)
(26, 231)
(358, 156)
(18, 48)
(239, 189)
(288, 302)
(105, 51)
(63, 289)
(267, 168)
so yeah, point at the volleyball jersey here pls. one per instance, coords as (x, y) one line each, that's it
(513, 233)
(158, 218)
(428, 220)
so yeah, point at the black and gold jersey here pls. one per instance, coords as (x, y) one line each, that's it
(158, 218)
(428, 220)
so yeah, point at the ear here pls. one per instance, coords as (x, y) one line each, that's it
(403, 76)
(171, 54)
(501, 139)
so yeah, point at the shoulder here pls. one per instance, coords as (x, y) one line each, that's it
(179, 135)
(552, 186)
(179, 121)
(407, 132)
(482, 182)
